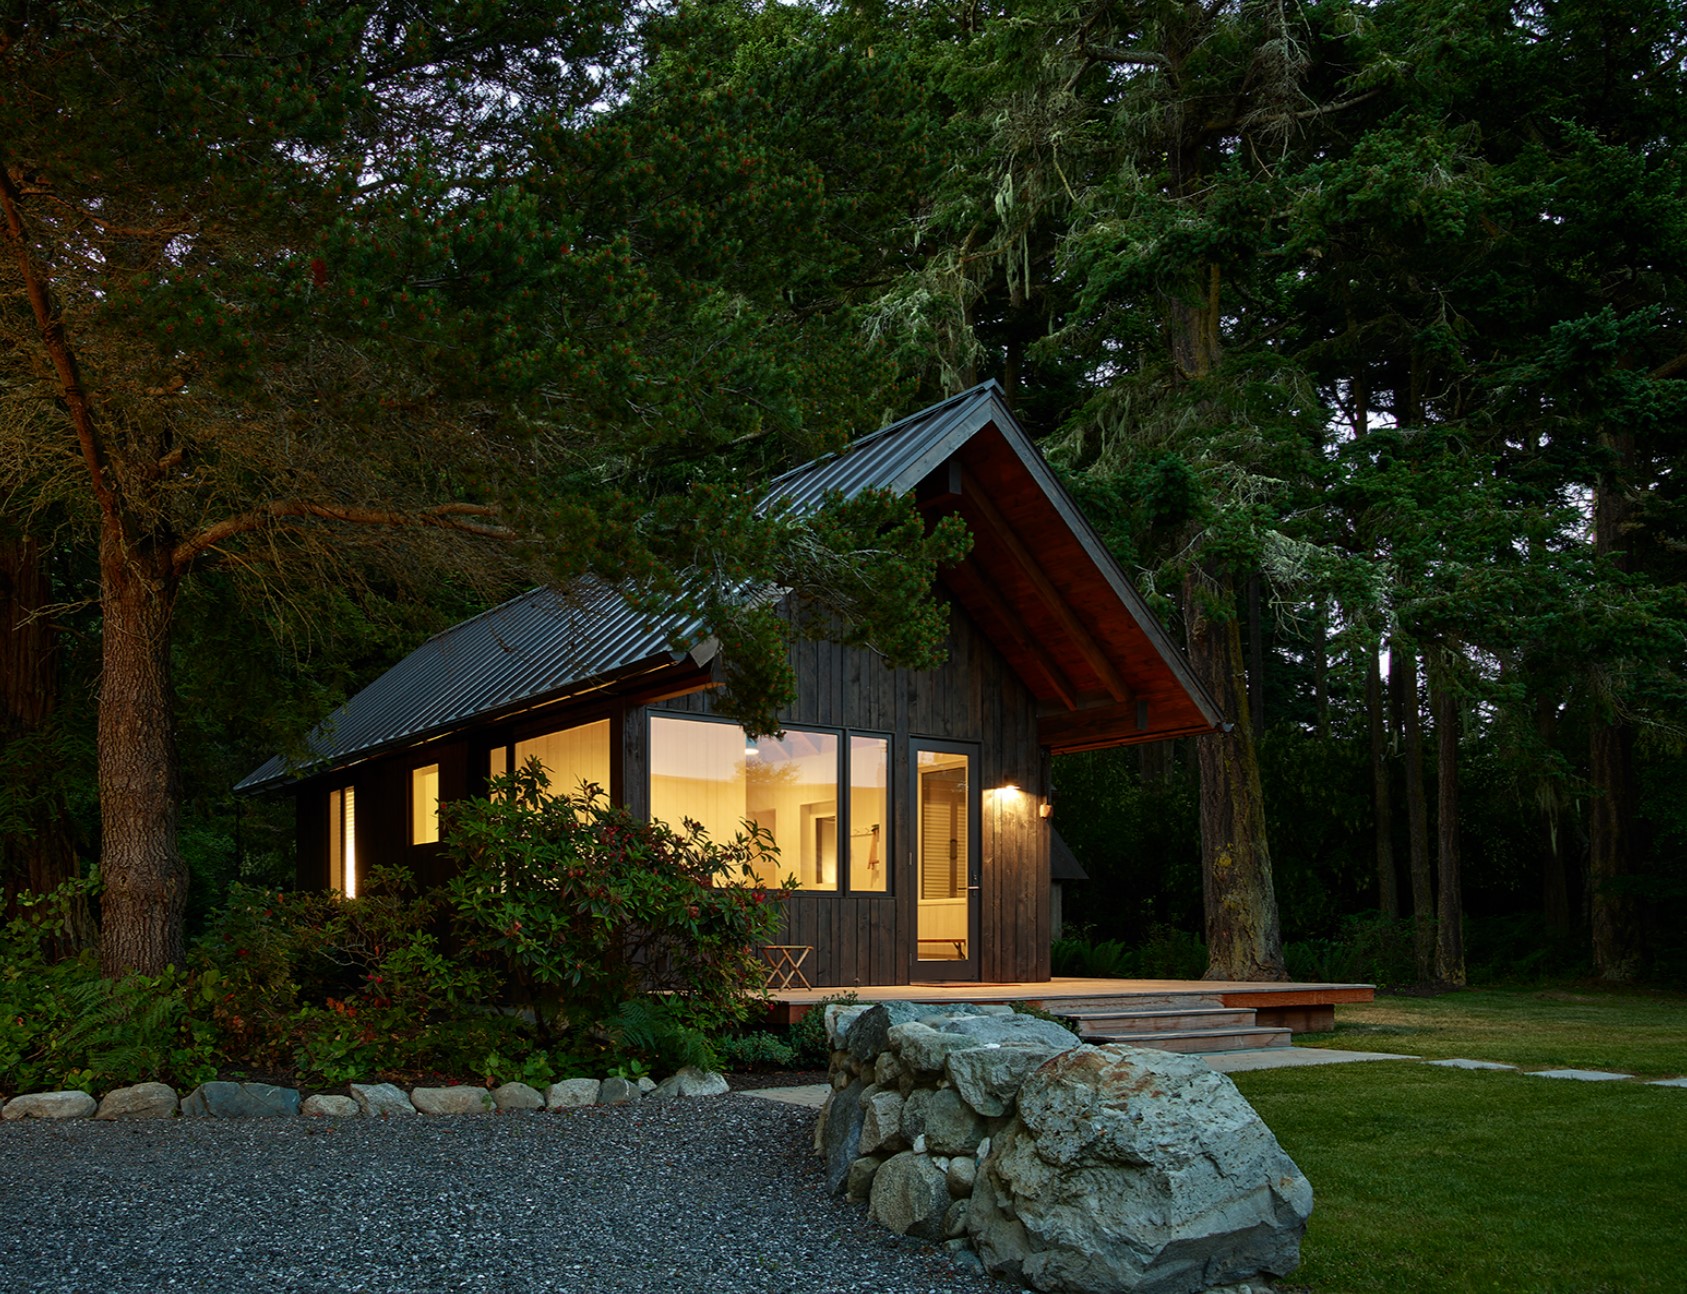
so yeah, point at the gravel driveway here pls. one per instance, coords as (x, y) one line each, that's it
(718, 1194)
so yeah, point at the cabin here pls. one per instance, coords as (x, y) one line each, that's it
(912, 806)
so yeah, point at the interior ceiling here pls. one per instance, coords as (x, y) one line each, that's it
(1100, 680)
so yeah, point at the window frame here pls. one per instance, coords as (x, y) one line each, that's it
(845, 757)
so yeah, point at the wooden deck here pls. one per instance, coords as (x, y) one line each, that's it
(1285, 1007)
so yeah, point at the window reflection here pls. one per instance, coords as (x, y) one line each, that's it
(869, 814)
(786, 785)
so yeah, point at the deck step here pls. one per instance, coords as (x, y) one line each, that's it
(1128, 1002)
(1201, 1040)
(1162, 1021)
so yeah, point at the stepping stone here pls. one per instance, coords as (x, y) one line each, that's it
(1460, 1063)
(1582, 1075)
(1668, 1082)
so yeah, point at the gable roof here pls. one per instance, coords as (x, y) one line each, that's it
(1039, 582)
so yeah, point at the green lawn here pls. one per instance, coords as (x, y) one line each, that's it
(1430, 1179)
(1636, 1032)
(1433, 1180)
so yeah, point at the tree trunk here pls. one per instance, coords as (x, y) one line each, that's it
(1617, 944)
(1244, 940)
(145, 878)
(1256, 659)
(1449, 921)
(38, 855)
(1403, 687)
(1388, 883)
(1555, 876)
(1616, 918)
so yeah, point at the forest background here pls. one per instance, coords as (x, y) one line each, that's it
(1355, 327)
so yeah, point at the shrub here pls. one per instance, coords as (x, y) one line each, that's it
(760, 1050)
(808, 1035)
(1368, 949)
(579, 907)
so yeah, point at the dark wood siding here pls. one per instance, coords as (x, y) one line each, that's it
(974, 697)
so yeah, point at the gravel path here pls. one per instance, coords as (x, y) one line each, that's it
(712, 1195)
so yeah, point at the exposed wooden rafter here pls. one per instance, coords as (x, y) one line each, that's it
(979, 509)
(974, 584)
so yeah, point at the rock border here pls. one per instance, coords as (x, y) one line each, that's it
(231, 1100)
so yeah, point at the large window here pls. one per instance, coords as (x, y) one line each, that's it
(342, 841)
(787, 785)
(944, 850)
(572, 757)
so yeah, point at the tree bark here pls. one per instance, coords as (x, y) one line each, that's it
(145, 895)
(1244, 939)
(1555, 876)
(1617, 941)
(1449, 917)
(1388, 882)
(1615, 915)
(39, 856)
(1256, 659)
(1403, 687)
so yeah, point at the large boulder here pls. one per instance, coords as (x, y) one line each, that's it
(141, 1101)
(881, 1121)
(868, 1033)
(50, 1105)
(1010, 1031)
(950, 1127)
(1134, 1170)
(989, 1077)
(923, 1049)
(240, 1101)
(840, 1135)
(910, 1196)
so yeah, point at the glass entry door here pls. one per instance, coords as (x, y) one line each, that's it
(945, 861)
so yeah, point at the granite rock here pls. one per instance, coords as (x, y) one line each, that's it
(517, 1096)
(618, 1091)
(461, 1099)
(881, 1122)
(50, 1105)
(328, 1106)
(988, 1078)
(692, 1081)
(381, 1100)
(909, 1196)
(1127, 1169)
(951, 1127)
(842, 1135)
(142, 1101)
(240, 1101)
(572, 1092)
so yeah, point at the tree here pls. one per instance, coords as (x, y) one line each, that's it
(315, 298)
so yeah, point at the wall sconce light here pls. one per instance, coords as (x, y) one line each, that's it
(1045, 809)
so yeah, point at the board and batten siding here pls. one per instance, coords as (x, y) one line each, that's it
(868, 938)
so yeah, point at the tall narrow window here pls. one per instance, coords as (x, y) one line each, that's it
(424, 805)
(869, 814)
(342, 841)
(944, 851)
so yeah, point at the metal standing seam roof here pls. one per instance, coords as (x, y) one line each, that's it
(545, 645)
(542, 644)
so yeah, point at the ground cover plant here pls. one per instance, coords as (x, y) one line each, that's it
(573, 940)
(1440, 1180)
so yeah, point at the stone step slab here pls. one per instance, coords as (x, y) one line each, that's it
(1195, 1041)
(1129, 1002)
(1171, 1021)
